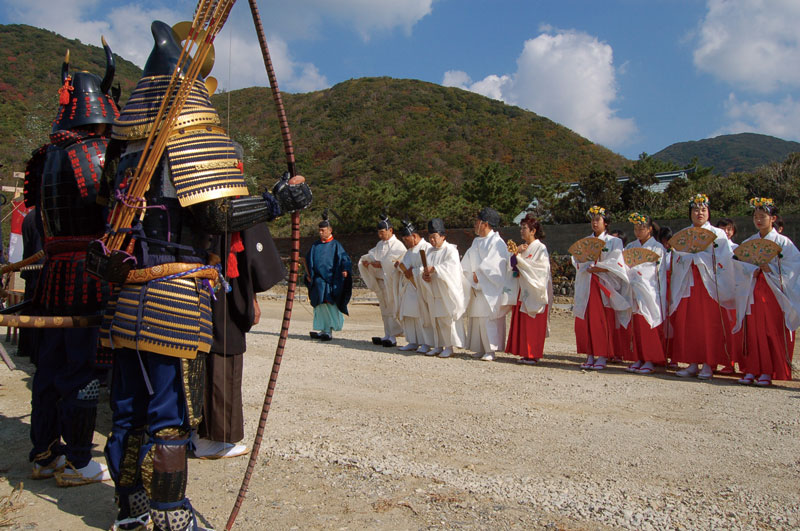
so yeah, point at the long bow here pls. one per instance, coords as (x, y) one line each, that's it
(287, 311)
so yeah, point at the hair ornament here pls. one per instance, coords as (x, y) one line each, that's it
(698, 200)
(637, 219)
(596, 211)
(762, 202)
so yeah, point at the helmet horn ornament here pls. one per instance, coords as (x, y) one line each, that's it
(111, 67)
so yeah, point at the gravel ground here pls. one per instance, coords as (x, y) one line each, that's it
(362, 437)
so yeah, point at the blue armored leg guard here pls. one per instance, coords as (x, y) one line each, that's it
(132, 500)
(165, 464)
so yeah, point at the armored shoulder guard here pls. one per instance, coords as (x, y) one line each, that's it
(69, 185)
(204, 165)
(86, 158)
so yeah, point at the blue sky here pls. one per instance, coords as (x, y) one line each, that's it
(632, 75)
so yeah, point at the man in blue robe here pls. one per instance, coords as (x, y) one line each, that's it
(329, 280)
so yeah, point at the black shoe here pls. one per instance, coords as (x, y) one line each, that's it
(377, 341)
(389, 343)
(324, 337)
(314, 335)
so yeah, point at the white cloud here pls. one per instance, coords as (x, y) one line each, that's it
(780, 119)
(127, 29)
(58, 15)
(247, 66)
(754, 44)
(130, 35)
(567, 76)
(238, 64)
(456, 78)
(303, 18)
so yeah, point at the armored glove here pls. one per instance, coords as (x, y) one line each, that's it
(291, 197)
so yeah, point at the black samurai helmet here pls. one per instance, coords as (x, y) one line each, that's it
(84, 98)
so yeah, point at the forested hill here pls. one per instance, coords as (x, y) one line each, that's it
(378, 128)
(359, 129)
(741, 152)
(30, 76)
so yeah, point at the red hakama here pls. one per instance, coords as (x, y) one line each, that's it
(648, 342)
(596, 334)
(765, 351)
(526, 334)
(701, 328)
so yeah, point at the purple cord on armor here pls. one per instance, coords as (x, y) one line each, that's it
(184, 273)
(208, 285)
(119, 196)
(106, 252)
(210, 288)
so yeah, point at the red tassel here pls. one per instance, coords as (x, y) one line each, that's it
(233, 263)
(63, 92)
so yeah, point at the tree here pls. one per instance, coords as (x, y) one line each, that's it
(598, 188)
(544, 194)
(641, 175)
(497, 187)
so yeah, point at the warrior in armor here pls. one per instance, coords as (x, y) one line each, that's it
(159, 318)
(62, 180)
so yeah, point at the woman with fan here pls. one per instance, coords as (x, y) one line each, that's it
(647, 274)
(768, 299)
(530, 317)
(602, 306)
(702, 289)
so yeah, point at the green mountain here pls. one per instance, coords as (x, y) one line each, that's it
(360, 129)
(30, 76)
(378, 128)
(743, 152)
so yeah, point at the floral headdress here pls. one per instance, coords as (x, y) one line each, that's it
(637, 219)
(698, 200)
(596, 211)
(766, 203)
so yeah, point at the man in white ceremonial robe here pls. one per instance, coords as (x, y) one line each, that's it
(488, 281)
(374, 267)
(411, 310)
(442, 289)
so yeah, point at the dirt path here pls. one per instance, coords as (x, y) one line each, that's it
(362, 437)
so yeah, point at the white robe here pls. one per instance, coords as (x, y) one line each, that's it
(444, 295)
(649, 284)
(535, 284)
(720, 278)
(614, 279)
(489, 299)
(410, 304)
(491, 295)
(378, 279)
(783, 280)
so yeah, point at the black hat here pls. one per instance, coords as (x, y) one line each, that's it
(324, 222)
(436, 225)
(84, 98)
(407, 229)
(490, 216)
(384, 223)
